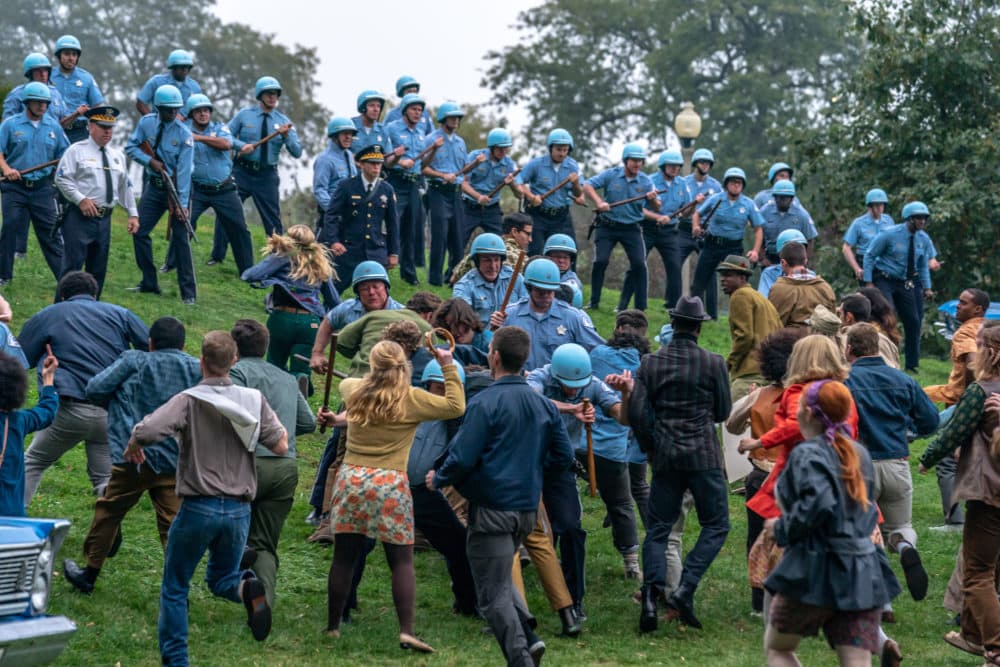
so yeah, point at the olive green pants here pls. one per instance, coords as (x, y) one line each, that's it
(277, 478)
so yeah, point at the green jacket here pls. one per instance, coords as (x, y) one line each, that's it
(751, 318)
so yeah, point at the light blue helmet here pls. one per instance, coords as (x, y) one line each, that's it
(409, 100)
(197, 101)
(577, 300)
(633, 152)
(487, 244)
(666, 334)
(36, 61)
(369, 270)
(433, 373)
(367, 96)
(67, 42)
(499, 137)
(36, 90)
(449, 110)
(775, 168)
(561, 242)
(669, 157)
(702, 154)
(179, 58)
(876, 196)
(915, 208)
(560, 137)
(735, 172)
(571, 365)
(783, 188)
(340, 124)
(543, 274)
(168, 97)
(265, 84)
(789, 236)
(404, 82)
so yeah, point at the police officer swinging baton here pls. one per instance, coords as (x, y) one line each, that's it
(172, 195)
(37, 167)
(621, 202)
(559, 186)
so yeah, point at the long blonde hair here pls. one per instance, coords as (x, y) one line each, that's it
(815, 357)
(380, 395)
(309, 259)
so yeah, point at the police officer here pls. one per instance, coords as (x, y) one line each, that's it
(333, 164)
(28, 139)
(494, 170)
(484, 286)
(179, 62)
(173, 157)
(405, 180)
(727, 212)
(702, 185)
(406, 85)
(444, 183)
(77, 86)
(896, 262)
(370, 130)
(661, 232)
(779, 171)
(621, 224)
(212, 183)
(864, 229)
(561, 249)
(93, 176)
(361, 222)
(37, 68)
(780, 214)
(549, 321)
(551, 215)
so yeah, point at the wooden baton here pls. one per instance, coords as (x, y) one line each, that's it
(591, 473)
(513, 280)
(622, 202)
(337, 374)
(492, 193)
(559, 186)
(37, 167)
(329, 376)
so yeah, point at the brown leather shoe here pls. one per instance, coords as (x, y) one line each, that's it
(409, 642)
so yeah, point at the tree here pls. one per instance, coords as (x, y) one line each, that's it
(618, 70)
(919, 119)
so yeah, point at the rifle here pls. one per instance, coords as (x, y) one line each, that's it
(591, 473)
(498, 188)
(177, 210)
(689, 205)
(37, 167)
(704, 225)
(559, 186)
(329, 376)
(513, 281)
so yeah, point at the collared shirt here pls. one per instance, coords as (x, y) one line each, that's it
(135, 385)
(13, 104)
(10, 346)
(617, 187)
(23, 145)
(353, 310)
(450, 156)
(561, 323)
(80, 175)
(770, 275)
(412, 138)
(510, 437)
(767, 195)
(331, 166)
(281, 390)
(368, 136)
(245, 127)
(708, 187)
(677, 194)
(176, 150)
(486, 298)
(612, 440)
(864, 229)
(211, 165)
(188, 87)
(603, 398)
(569, 276)
(888, 253)
(730, 217)
(78, 87)
(424, 124)
(86, 336)
(489, 174)
(541, 175)
(776, 222)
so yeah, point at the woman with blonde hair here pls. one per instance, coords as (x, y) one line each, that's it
(300, 275)
(371, 498)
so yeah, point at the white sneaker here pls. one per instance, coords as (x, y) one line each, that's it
(948, 528)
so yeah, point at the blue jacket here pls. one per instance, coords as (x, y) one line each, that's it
(274, 270)
(19, 424)
(510, 437)
(889, 402)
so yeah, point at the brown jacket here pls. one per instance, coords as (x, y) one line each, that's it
(751, 318)
(795, 297)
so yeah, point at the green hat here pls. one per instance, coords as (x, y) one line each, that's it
(736, 264)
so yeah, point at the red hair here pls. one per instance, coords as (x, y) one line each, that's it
(830, 402)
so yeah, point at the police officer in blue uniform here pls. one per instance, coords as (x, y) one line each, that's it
(37, 68)
(444, 184)
(561, 249)
(495, 168)
(77, 86)
(484, 286)
(173, 150)
(361, 222)
(27, 139)
(779, 214)
(897, 264)
(702, 185)
(662, 232)
(864, 229)
(551, 215)
(333, 164)
(727, 212)
(779, 171)
(621, 224)
(179, 62)
(212, 183)
(406, 85)
(370, 130)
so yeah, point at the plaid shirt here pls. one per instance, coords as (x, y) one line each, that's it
(680, 393)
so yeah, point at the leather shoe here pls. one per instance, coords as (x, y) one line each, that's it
(647, 618)
(82, 579)
(190, 301)
(578, 611)
(166, 268)
(682, 604)
(570, 624)
(213, 262)
(258, 611)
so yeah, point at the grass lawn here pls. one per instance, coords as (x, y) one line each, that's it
(117, 624)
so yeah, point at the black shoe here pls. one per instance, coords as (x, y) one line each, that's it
(20, 255)
(258, 611)
(248, 559)
(314, 517)
(682, 602)
(580, 614)
(570, 625)
(913, 570)
(537, 650)
(82, 578)
(144, 290)
(647, 617)
(213, 262)
(116, 545)
(411, 281)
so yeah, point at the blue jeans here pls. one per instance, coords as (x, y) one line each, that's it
(710, 492)
(219, 525)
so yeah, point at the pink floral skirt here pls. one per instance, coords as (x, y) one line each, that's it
(374, 502)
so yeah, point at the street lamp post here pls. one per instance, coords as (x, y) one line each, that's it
(687, 125)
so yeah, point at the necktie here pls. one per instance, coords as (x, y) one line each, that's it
(347, 163)
(910, 267)
(109, 196)
(159, 136)
(263, 133)
(368, 189)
